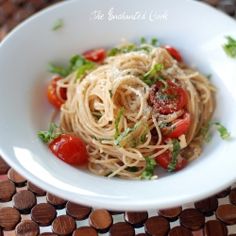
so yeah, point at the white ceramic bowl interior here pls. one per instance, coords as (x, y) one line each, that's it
(197, 30)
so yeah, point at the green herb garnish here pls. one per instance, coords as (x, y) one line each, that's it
(143, 40)
(224, 133)
(149, 170)
(117, 121)
(58, 70)
(123, 135)
(81, 71)
(123, 49)
(49, 135)
(113, 52)
(205, 131)
(132, 169)
(209, 76)
(77, 63)
(165, 97)
(175, 153)
(149, 77)
(230, 47)
(133, 47)
(58, 24)
(143, 138)
(141, 128)
(154, 41)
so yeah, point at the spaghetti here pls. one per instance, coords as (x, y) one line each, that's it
(137, 106)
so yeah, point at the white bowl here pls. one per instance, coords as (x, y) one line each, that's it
(197, 30)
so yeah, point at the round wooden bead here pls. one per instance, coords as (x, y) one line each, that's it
(9, 218)
(78, 212)
(121, 229)
(192, 219)
(24, 201)
(27, 227)
(7, 190)
(16, 178)
(43, 214)
(63, 225)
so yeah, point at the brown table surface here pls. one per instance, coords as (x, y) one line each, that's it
(27, 210)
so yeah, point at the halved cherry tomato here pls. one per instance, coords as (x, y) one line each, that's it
(174, 53)
(52, 95)
(165, 158)
(167, 100)
(95, 55)
(179, 126)
(69, 149)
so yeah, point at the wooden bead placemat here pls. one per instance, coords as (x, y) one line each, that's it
(27, 210)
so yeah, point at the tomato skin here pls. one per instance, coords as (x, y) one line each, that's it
(179, 126)
(175, 97)
(174, 53)
(69, 149)
(52, 95)
(165, 158)
(95, 55)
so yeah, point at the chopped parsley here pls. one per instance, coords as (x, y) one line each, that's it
(124, 49)
(149, 170)
(49, 135)
(113, 52)
(224, 133)
(165, 97)
(143, 137)
(143, 40)
(132, 169)
(133, 142)
(133, 47)
(81, 71)
(142, 130)
(205, 131)
(124, 134)
(77, 63)
(148, 76)
(117, 121)
(58, 24)
(154, 41)
(230, 47)
(175, 153)
(164, 124)
(209, 76)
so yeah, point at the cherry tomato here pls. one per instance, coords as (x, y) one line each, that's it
(95, 55)
(167, 100)
(179, 126)
(165, 158)
(69, 149)
(174, 53)
(52, 95)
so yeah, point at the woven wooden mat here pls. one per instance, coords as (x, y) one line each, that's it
(26, 210)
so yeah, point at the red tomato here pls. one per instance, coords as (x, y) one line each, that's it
(52, 95)
(179, 126)
(167, 100)
(95, 55)
(165, 158)
(174, 53)
(69, 149)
